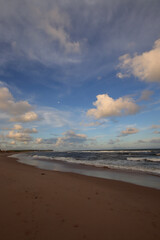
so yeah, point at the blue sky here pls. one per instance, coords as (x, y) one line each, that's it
(79, 74)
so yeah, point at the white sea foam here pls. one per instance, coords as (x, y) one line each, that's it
(132, 164)
(64, 159)
(116, 151)
(95, 163)
(42, 157)
(136, 169)
(155, 159)
(103, 163)
(121, 167)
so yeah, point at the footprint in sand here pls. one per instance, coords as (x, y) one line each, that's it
(28, 232)
(18, 213)
(76, 226)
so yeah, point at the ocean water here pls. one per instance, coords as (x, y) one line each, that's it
(128, 165)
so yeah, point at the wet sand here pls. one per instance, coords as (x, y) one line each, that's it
(39, 204)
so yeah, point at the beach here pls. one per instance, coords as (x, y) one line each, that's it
(40, 204)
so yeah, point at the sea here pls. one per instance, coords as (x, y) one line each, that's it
(138, 166)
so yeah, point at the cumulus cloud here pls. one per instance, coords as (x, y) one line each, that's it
(39, 140)
(8, 104)
(30, 131)
(18, 111)
(19, 136)
(27, 117)
(128, 131)
(71, 138)
(108, 107)
(17, 127)
(145, 66)
(51, 141)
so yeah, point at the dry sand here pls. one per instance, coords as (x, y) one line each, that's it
(44, 205)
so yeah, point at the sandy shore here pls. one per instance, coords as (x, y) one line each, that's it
(44, 205)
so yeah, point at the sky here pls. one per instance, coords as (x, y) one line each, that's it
(78, 75)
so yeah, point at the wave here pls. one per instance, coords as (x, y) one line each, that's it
(103, 164)
(94, 163)
(149, 159)
(129, 164)
(116, 151)
(136, 169)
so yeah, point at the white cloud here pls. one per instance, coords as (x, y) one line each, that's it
(50, 141)
(39, 140)
(17, 127)
(28, 130)
(71, 138)
(120, 75)
(19, 136)
(8, 104)
(128, 131)
(18, 111)
(108, 107)
(145, 66)
(27, 117)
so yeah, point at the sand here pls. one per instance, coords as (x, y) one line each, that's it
(44, 205)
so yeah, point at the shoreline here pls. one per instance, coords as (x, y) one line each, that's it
(41, 204)
(139, 178)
